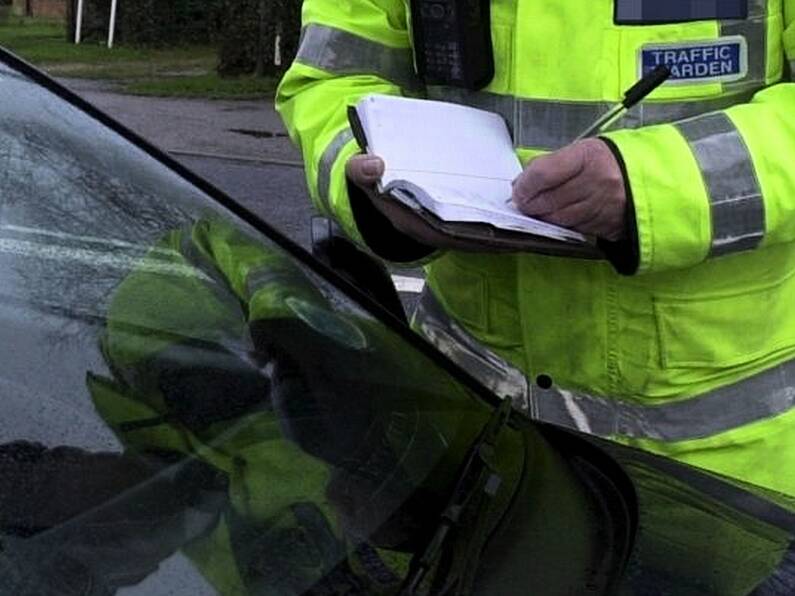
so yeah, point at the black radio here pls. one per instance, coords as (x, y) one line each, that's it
(452, 42)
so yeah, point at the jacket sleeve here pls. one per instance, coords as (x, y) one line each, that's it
(719, 183)
(347, 50)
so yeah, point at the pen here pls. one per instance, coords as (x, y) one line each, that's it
(637, 93)
(633, 96)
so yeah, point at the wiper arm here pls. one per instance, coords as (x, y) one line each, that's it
(477, 482)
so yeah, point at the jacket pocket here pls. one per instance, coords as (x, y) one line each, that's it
(726, 330)
(479, 291)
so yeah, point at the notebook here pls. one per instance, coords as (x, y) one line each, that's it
(453, 162)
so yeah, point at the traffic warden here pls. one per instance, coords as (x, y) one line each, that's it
(682, 339)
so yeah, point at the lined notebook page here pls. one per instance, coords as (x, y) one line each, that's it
(417, 136)
(462, 157)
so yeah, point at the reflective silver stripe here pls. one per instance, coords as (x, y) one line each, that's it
(738, 210)
(262, 277)
(327, 161)
(487, 367)
(754, 30)
(344, 53)
(237, 341)
(529, 119)
(765, 395)
(648, 113)
(218, 282)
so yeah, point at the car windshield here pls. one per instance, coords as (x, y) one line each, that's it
(185, 406)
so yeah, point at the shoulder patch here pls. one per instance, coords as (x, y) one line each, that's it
(722, 60)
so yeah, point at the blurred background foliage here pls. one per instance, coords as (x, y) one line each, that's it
(252, 36)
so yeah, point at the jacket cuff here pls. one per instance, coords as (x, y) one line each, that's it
(333, 194)
(669, 201)
(378, 233)
(362, 222)
(623, 254)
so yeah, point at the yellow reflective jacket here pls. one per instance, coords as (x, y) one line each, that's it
(709, 164)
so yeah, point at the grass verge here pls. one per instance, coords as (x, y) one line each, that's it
(170, 72)
(210, 86)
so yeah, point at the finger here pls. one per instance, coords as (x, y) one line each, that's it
(596, 225)
(575, 215)
(364, 170)
(605, 224)
(549, 171)
(549, 201)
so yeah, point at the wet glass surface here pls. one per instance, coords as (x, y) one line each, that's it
(185, 409)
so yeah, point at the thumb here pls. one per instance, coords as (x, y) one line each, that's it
(364, 170)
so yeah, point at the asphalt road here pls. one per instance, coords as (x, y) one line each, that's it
(277, 194)
(240, 146)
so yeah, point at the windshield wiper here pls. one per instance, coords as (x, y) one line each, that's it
(477, 483)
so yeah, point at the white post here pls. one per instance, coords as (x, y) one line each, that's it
(112, 28)
(79, 21)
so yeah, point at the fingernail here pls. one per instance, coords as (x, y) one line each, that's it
(372, 167)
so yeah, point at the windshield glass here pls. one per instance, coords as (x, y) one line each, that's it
(185, 407)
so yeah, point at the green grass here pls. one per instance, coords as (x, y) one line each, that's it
(172, 72)
(210, 86)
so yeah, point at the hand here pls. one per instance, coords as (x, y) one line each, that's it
(365, 171)
(579, 187)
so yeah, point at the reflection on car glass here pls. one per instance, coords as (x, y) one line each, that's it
(277, 435)
(80, 206)
(327, 323)
(6, 72)
(91, 523)
(330, 452)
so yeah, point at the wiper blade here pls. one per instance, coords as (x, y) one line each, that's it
(477, 483)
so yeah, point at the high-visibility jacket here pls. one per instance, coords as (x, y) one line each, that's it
(688, 351)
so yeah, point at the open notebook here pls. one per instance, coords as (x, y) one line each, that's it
(453, 161)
